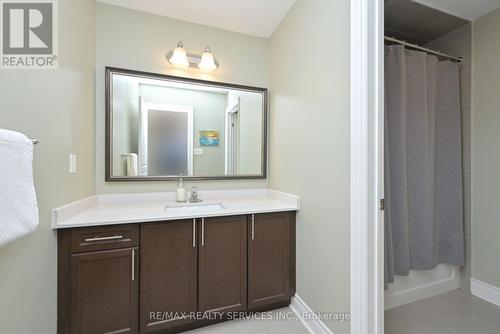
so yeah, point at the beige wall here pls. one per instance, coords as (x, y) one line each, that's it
(56, 106)
(310, 145)
(250, 133)
(140, 41)
(125, 120)
(486, 148)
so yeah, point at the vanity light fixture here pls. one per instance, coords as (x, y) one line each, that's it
(207, 62)
(180, 58)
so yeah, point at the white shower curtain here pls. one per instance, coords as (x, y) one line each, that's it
(423, 172)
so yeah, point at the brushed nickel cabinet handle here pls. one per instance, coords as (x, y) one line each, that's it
(203, 231)
(133, 265)
(115, 237)
(194, 233)
(253, 227)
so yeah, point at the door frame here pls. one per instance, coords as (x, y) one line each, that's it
(367, 167)
(232, 115)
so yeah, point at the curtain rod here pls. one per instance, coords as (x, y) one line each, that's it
(418, 47)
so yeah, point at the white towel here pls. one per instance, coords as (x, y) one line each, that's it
(18, 206)
(132, 164)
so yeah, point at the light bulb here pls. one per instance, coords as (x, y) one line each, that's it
(179, 57)
(207, 62)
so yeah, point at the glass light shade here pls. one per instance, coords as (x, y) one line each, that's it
(207, 62)
(179, 57)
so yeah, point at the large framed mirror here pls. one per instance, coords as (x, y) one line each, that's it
(159, 127)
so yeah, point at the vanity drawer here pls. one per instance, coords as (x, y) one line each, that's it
(89, 239)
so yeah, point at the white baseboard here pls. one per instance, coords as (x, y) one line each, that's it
(423, 289)
(313, 325)
(485, 291)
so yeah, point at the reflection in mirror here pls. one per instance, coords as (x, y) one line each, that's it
(163, 127)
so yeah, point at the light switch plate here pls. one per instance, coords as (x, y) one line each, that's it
(197, 151)
(72, 163)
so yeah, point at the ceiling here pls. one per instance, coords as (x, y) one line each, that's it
(415, 23)
(256, 17)
(467, 9)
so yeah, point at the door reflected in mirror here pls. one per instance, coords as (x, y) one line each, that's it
(160, 127)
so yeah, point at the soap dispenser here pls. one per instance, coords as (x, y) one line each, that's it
(181, 191)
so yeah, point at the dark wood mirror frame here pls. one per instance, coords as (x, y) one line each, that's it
(109, 71)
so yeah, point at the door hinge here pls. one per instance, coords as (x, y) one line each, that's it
(382, 204)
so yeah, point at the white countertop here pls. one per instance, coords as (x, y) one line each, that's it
(110, 209)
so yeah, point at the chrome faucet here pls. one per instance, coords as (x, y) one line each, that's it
(194, 195)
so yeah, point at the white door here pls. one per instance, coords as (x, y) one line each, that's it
(165, 139)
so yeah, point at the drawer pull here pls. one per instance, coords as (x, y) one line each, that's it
(115, 237)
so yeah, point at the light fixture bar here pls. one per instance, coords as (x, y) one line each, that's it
(193, 60)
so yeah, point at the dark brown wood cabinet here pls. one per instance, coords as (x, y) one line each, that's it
(222, 269)
(134, 278)
(271, 258)
(98, 291)
(168, 273)
(104, 292)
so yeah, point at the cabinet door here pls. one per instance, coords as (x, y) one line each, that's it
(223, 264)
(104, 292)
(168, 274)
(270, 258)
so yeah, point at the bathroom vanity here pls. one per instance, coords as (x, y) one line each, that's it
(144, 263)
(133, 264)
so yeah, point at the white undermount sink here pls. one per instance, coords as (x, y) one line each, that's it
(193, 208)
